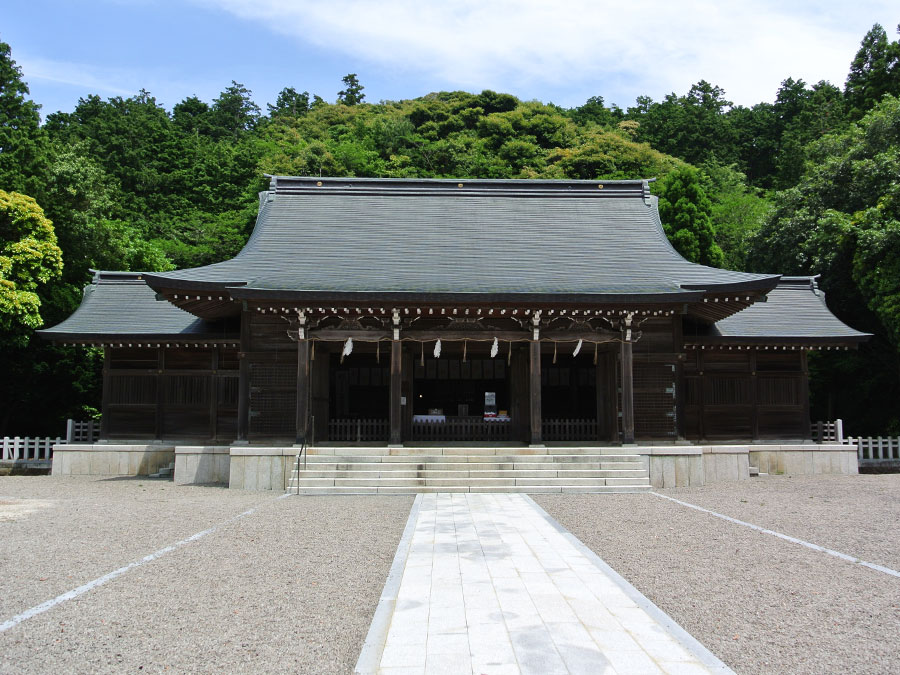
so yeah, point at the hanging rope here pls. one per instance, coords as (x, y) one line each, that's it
(465, 347)
(595, 353)
(495, 348)
(509, 354)
(437, 349)
(577, 348)
(312, 355)
(554, 352)
(422, 360)
(378, 352)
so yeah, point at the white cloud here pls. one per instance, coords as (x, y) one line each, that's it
(107, 80)
(745, 46)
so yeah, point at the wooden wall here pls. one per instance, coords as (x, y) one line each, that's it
(746, 394)
(184, 392)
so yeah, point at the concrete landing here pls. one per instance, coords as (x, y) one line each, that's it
(489, 583)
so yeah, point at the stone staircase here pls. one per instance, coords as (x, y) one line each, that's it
(411, 470)
(165, 472)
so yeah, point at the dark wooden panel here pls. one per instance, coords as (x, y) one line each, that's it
(781, 423)
(784, 362)
(133, 359)
(656, 336)
(131, 421)
(654, 400)
(188, 359)
(779, 391)
(132, 389)
(726, 361)
(731, 422)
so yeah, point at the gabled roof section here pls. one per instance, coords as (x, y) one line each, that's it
(794, 313)
(120, 305)
(467, 239)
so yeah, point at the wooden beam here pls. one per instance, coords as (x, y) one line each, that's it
(335, 335)
(303, 389)
(627, 392)
(535, 393)
(396, 437)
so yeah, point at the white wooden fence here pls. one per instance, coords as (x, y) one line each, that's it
(18, 449)
(876, 451)
(870, 450)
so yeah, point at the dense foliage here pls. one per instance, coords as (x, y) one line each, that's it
(806, 184)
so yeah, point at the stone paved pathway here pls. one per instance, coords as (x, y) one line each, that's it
(493, 585)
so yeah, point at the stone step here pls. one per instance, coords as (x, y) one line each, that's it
(485, 482)
(524, 451)
(472, 466)
(512, 473)
(467, 459)
(165, 472)
(525, 489)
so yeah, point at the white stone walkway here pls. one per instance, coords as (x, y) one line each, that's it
(492, 585)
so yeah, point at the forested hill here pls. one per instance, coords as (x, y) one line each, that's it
(807, 184)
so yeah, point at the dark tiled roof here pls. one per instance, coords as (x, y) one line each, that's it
(795, 311)
(121, 305)
(468, 237)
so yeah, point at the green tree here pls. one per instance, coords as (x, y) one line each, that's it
(874, 71)
(22, 143)
(686, 213)
(234, 112)
(842, 221)
(29, 258)
(352, 95)
(289, 102)
(693, 127)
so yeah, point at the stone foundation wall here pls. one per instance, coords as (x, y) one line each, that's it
(107, 459)
(261, 468)
(684, 466)
(199, 464)
(800, 460)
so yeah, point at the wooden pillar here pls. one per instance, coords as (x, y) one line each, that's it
(754, 394)
(214, 392)
(535, 391)
(396, 437)
(804, 395)
(160, 392)
(303, 384)
(104, 400)
(627, 389)
(680, 389)
(243, 420)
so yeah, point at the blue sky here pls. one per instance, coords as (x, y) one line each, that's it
(564, 51)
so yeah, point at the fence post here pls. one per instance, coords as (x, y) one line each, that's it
(839, 430)
(70, 430)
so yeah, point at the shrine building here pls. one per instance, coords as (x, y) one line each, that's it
(398, 312)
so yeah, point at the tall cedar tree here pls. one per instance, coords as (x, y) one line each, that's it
(874, 72)
(22, 143)
(686, 215)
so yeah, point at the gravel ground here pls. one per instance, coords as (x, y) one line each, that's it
(289, 588)
(760, 603)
